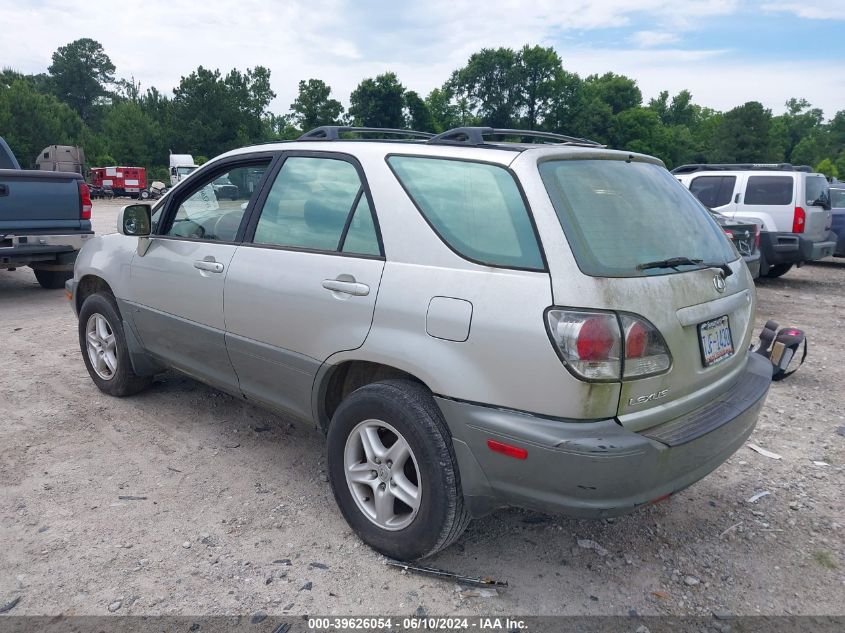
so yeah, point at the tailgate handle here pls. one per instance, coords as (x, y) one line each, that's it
(693, 315)
(4, 190)
(347, 287)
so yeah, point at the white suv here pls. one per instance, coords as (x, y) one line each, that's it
(790, 204)
(472, 323)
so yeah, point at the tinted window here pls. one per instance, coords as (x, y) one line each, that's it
(212, 212)
(309, 203)
(818, 190)
(475, 208)
(769, 190)
(837, 198)
(361, 237)
(619, 214)
(713, 191)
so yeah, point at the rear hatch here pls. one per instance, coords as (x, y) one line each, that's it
(818, 219)
(39, 201)
(627, 220)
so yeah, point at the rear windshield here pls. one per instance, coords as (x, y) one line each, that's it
(837, 198)
(617, 215)
(769, 190)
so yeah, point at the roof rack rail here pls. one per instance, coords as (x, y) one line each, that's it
(333, 132)
(689, 169)
(475, 136)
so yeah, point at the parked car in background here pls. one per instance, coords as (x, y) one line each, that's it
(536, 342)
(45, 218)
(792, 205)
(837, 203)
(224, 189)
(745, 237)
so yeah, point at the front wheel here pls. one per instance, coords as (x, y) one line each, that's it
(778, 270)
(52, 279)
(104, 351)
(393, 471)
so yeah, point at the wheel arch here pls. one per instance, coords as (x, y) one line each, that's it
(91, 284)
(334, 383)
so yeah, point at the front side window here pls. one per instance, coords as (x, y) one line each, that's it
(475, 208)
(769, 190)
(309, 207)
(214, 211)
(619, 215)
(713, 191)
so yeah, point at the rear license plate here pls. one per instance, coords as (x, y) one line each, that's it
(716, 342)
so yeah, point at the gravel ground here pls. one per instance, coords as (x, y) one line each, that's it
(183, 500)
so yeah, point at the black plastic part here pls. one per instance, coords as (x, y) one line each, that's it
(333, 132)
(690, 169)
(475, 136)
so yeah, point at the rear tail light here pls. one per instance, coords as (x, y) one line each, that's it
(645, 350)
(798, 220)
(601, 346)
(84, 201)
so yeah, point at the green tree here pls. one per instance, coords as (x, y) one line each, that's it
(30, 121)
(490, 84)
(133, 137)
(313, 106)
(827, 168)
(378, 102)
(81, 73)
(419, 116)
(538, 73)
(617, 91)
(743, 135)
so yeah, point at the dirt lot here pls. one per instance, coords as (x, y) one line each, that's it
(236, 514)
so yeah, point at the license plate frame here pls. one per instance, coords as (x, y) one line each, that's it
(715, 341)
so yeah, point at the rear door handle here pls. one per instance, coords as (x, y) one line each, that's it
(208, 264)
(4, 190)
(347, 287)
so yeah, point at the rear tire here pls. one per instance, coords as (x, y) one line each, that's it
(778, 270)
(391, 412)
(52, 279)
(104, 351)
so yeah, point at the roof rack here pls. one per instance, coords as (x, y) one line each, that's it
(475, 136)
(689, 169)
(333, 132)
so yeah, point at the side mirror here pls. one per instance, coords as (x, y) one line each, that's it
(135, 220)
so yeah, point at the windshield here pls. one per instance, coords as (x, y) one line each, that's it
(185, 169)
(618, 215)
(837, 198)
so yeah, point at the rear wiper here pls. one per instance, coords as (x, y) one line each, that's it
(674, 262)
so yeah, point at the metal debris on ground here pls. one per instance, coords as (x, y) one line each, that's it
(758, 496)
(131, 498)
(447, 575)
(763, 451)
(10, 605)
(733, 527)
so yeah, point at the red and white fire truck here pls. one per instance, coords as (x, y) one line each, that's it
(123, 181)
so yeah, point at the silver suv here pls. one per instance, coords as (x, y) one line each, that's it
(472, 323)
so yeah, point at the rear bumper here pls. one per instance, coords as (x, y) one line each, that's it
(48, 251)
(598, 469)
(793, 248)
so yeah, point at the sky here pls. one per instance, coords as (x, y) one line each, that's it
(726, 52)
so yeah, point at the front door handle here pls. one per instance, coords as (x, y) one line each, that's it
(4, 190)
(347, 287)
(208, 264)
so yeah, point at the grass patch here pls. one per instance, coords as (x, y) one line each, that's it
(824, 559)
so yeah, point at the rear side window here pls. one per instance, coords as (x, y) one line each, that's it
(311, 206)
(769, 190)
(818, 190)
(476, 208)
(618, 215)
(713, 191)
(837, 198)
